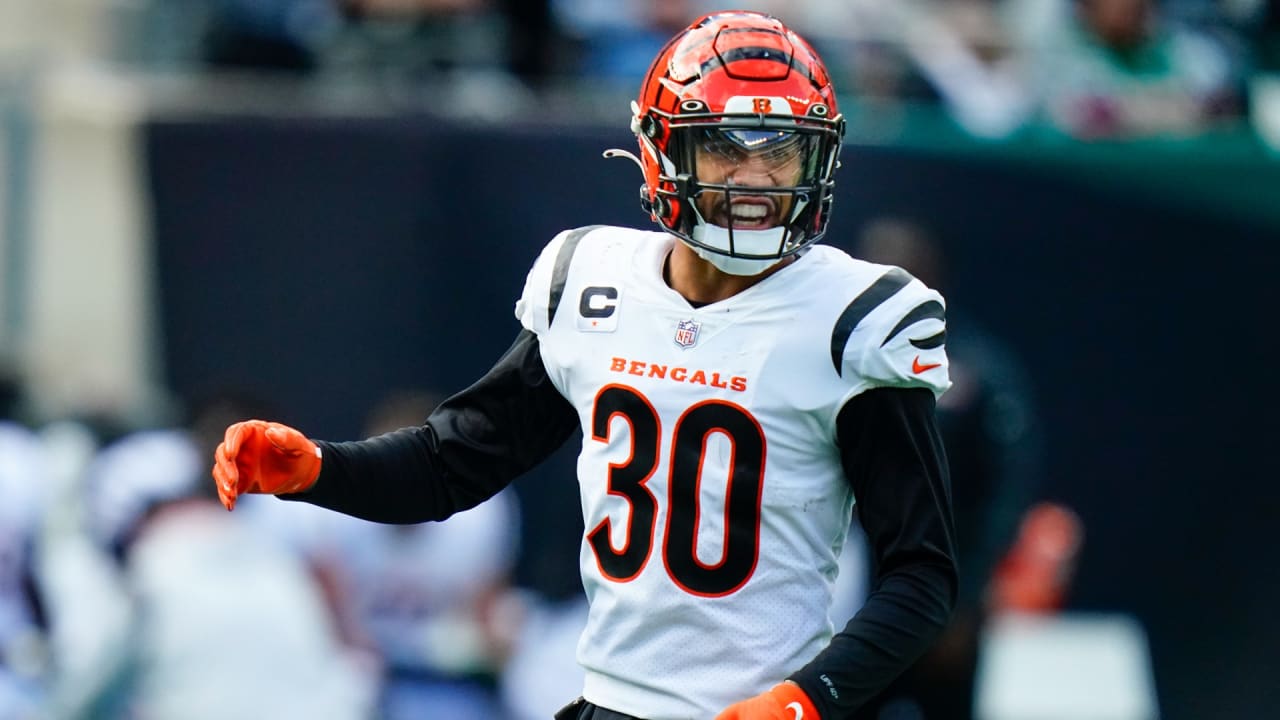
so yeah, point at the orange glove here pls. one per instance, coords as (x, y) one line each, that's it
(784, 701)
(257, 456)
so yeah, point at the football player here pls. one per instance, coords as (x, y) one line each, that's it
(738, 387)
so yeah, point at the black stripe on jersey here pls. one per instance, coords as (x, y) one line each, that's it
(923, 311)
(882, 289)
(561, 271)
(932, 341)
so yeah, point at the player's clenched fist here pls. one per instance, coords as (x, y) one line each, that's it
(784, 701)
(257, 456)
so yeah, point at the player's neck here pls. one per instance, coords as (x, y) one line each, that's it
(702, 283)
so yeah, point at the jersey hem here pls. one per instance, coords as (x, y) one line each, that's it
(626, 698)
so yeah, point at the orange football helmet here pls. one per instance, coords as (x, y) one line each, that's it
(737, 85)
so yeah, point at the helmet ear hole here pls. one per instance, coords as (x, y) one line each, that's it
(819, 110)
(693, 106)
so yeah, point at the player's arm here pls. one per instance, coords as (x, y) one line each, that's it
(471, 446)
(892, 454)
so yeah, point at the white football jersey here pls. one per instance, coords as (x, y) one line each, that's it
(711, 483)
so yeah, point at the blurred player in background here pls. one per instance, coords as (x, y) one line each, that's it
(23, 625)
(426, 597)
(737, 387)
(991, 430)
(184, 570)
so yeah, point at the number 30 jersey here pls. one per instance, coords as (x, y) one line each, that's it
(712, 490)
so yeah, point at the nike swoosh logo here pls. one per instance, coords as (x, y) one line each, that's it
(795, 708)
(917, 367)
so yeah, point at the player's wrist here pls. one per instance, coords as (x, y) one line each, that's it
(310, 472)
(791, 696)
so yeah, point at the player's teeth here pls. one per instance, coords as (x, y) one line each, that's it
(750, 211)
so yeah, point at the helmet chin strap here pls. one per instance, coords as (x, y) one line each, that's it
(757, 242)
(735, 266)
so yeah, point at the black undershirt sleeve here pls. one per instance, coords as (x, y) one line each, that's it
(893, 456)
(472, 445)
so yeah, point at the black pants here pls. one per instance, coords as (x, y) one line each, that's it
(580, 709)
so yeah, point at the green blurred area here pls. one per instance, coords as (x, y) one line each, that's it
(1226, 173)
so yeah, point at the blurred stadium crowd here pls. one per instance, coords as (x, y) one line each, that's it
(1084, 68)
(119, 587)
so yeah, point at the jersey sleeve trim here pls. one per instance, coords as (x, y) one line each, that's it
(885, 287)
(560, 273)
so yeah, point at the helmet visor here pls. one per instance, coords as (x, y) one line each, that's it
(778, 152)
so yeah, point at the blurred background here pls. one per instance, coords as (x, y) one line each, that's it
(321, 211)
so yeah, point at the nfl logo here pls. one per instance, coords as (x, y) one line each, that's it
(687, 333)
